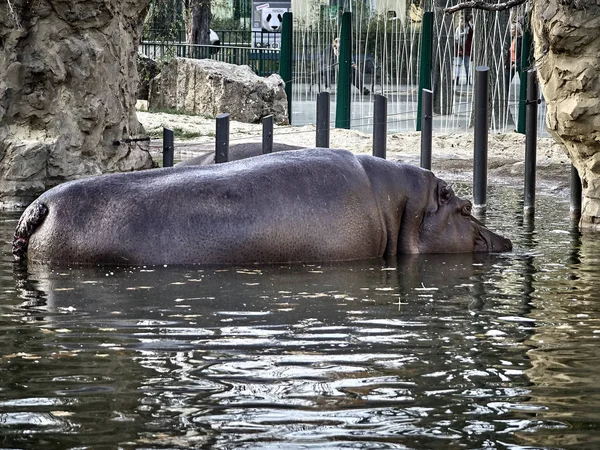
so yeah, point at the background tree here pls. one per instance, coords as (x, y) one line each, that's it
(198, 16)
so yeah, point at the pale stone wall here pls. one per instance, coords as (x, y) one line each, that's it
(68, 80)
(567, 52)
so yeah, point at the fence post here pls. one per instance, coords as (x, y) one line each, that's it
(481, 137)
(168, 147)
(380, 126)
(267, 136)
(575, 192)
(323, 119)
(426, 57)
(531, 140)
(222, 139)
(525, 64)
(427, 129)
(342, 106)
(285, 58)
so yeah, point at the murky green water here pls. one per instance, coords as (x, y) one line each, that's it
(475, 352)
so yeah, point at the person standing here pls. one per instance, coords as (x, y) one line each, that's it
(356, 78)
(463, 41)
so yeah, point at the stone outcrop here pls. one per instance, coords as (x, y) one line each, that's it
(68, 81)
(207, 87)
(567, 53)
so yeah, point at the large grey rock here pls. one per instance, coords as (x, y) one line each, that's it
(567, 53)
(68, 80)
(204, 86)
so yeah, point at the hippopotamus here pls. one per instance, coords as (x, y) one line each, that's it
(310, 205)
(237, 152)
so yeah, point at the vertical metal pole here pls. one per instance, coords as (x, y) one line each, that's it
(531, 140)
(380, 126)
(168, 147)
(575, 192)
(525, 63)
(323, 119)
(481, 137)
(426, 57)
(342, 107)
(427, 129)
(267, 136)
(222, 139)
(285, 61)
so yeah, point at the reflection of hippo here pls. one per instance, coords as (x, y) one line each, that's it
(313, 205)
(237, 151)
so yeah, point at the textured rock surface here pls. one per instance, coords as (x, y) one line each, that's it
(204, 86)
(68, 81)
(567, 36)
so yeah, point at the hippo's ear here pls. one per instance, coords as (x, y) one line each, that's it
(444, 193)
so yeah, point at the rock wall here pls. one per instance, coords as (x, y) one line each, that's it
(567, 52)
(204, 86)
(68, 81)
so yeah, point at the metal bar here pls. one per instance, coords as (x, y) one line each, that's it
(427, 129)
(168, 147)
(285, 61)
(480, 137)
(267, 136)
(222, 138)
(525, 63)
(342, 107)
(426, 58)
(323, 119)
(380, 126)
(531, 140)
(575, 192)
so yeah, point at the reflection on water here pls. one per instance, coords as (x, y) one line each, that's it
(463, 351)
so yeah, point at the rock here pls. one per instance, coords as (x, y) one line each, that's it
(67, 92)
(147, 70)
(207, 87)
(567, 53)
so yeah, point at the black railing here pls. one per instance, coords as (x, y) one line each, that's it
(263, 62)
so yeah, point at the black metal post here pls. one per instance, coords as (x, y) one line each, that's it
(222, 139)
(380, 126)
(267, 137)
(575, 192)
(168, 147)
(530, 140)
(481, 137)
(323, 119)
(426, 129)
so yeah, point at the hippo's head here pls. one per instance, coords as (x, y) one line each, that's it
(448, 226)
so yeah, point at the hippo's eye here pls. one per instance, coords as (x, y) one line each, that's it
(446, 193)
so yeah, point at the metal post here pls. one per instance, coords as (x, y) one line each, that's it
(380, 126)
(168, 147)
(323, 119)
(267, 136)
(285, 58)
(342, 107)
(222, 139)
(531, 140)
(481, 137)
(427, 129)
(426, 58)
(525, 64)
(575, 192)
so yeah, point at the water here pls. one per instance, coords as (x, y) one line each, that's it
(421, 352)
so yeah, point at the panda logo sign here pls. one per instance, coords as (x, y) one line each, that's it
(267, 23)
(271, 19)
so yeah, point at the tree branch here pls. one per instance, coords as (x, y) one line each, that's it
(13, 15)
(479, 4)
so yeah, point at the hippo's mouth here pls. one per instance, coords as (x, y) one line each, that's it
(488, 241)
